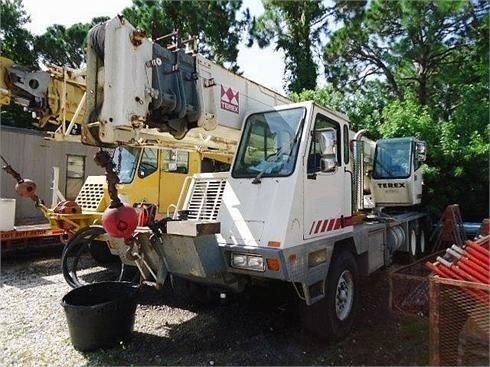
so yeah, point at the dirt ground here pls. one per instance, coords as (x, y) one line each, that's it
(260, 327)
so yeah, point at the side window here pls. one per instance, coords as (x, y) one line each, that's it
(75, 174)
(149, 162)
(176, 161)
(314, 155)
(213, 165)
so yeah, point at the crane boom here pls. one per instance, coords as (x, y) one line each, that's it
(54, 95)
(139, 94)
(139, 91)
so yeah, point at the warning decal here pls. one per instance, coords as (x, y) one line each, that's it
(230, 99)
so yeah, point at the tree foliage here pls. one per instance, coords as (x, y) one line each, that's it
(405, 68)
(16, 43)
(16, 40)
(215, 23)
(64, 46)
(294, 27)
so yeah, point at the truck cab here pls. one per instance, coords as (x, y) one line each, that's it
(397, 173)
(289, 181)
(156, 176)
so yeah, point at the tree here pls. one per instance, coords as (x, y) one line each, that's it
(65, 46)
(294, 27)
(421, 69)
(16, 44)
(15, 40)
(215, 23)
(406, 43)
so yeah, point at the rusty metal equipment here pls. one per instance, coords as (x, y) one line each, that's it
(450, 229)
(24, 187)
(459, 295)
(409, 288)
(67, 217)
(67, 207)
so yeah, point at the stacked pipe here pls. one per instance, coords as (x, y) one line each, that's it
(470, 262)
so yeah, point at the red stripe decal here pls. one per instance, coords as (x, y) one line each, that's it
(312, 225)
(324, 227)
(318, 224)
(348, 221)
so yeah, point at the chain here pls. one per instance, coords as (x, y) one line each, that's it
(119, 160)
(8, 168)
(103, 159)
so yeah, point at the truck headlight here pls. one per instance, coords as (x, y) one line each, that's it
(245, 261)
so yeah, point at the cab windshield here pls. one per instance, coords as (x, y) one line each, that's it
(392, 158)
(269, 145)
(125, 162)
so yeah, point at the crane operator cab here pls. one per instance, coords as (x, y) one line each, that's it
(397, 171)
(156, 176)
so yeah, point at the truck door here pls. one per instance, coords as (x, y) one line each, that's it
(326, 195)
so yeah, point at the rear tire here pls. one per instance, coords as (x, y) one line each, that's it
(333, 316)
(413, 243)
(422, 242)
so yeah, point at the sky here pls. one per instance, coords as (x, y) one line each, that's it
(263, 66)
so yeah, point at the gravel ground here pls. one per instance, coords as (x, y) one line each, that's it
(256, 328)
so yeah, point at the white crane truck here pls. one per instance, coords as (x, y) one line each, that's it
(307, 201)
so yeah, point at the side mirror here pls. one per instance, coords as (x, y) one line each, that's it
(421, 151)
(327, 139)
(328, 164)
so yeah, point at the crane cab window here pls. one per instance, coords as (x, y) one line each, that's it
(125, 160)
(176, 161)
(393, 158)
(148, 163)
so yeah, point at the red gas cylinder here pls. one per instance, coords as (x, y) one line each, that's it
(121, 221)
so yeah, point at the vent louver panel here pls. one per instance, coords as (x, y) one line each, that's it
(205, 199)
(91, 194)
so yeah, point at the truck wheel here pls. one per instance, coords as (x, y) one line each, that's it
(333, 316)
(421, 242)
(413, 242)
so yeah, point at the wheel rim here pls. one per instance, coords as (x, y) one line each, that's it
(422, 242)
(344, 295)
(413, 243)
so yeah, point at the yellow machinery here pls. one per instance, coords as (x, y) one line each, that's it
(57, 96)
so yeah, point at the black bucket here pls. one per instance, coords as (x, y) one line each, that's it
(100, 315)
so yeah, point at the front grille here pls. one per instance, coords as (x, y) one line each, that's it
(205, 197)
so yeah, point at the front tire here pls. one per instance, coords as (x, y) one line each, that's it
(333, 316)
